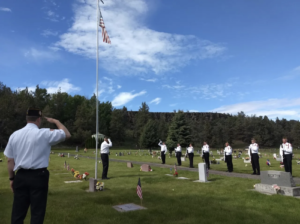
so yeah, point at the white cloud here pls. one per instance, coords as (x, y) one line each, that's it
(53, 86)
(282, 108)
(156, 101)
(119, 87)
(40, 55)
(5, 9)
(48, 33)
(52, 16)
(135, 48)
(64, 85)
(173, 104)
(207, 91)
(294, 73)
(193, 111)
(149, 80)
(125, 97)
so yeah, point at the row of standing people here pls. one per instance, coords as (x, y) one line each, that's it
(285, 150)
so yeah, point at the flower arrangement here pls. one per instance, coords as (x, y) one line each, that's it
(175, 174)
(268, 162)
(76, 157)
(85, 175)
(276, 188)
(62, 155)
(73, 171)
(99, 186)
(247, 158)
(76, 174)
(214, 161)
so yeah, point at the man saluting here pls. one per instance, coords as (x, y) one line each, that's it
(28, 151)
(163, 151)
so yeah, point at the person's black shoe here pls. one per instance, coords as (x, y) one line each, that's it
(106, 178)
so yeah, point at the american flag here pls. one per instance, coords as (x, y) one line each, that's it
(105, 36)
(139, 189)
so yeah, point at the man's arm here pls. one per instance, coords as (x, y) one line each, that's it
(11, 173)
(59, 126)
(110, 143)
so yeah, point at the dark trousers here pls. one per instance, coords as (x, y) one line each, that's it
(30, 188)
(287, 161)
(105, 162)
(206, 158)
(178, 155)
(229, 162)
(255, 163)
(163, 157)
(191, 157)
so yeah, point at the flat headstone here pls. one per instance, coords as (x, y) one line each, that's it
(170, 175)
(129, 165)
(145, 167)
(277, 177)
(128, 207)
(182, 178)
(73, 181)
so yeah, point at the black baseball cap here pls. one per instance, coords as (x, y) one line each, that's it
(34, 112)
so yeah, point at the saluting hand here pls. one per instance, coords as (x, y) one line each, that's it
(50, 120)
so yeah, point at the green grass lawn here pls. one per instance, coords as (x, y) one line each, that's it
(238, 164)
(168, 200)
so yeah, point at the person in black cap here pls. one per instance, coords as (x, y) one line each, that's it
(28, 151)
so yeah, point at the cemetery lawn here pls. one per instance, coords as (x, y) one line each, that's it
(238, 164)
(168, 200)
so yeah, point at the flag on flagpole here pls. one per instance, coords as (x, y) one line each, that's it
(139, 189)
(105, 36)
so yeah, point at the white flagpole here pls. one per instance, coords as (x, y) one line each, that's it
(97, 84)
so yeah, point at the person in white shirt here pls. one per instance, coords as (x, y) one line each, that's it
(205, 154)
(286, 152)
(190, 151)
(28, 151)
(178, 154)
(106, 144)
(228, 157)
(163, 151)
(253, 153)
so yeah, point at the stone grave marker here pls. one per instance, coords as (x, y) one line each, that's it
(145, 167)
(129, 165)
(92, 184)
(282, 179)
(76, 148)
(203, 174)
(128, 207)
(277, 177)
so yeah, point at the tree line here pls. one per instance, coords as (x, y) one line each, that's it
(143, 130)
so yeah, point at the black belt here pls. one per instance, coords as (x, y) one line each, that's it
(39, 169)
(205, 152)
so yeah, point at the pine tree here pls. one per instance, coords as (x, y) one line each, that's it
(142, 118)
(179, 131)
(149, 136)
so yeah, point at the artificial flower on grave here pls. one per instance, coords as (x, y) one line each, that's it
(85, 175)
(100, 186)
(175, 174)
(73, 171)
(62, 155)
(214, 161)
(268, 162)
(76, 174)
(276, 188)
(247, 158)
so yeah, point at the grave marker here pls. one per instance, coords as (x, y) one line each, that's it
(203, 173)
(145, 168)
(129, 165)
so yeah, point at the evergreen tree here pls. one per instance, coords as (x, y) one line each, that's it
(179, 131)
(149, 136)
(142, 118)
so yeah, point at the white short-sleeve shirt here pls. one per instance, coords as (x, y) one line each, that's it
(30, 146)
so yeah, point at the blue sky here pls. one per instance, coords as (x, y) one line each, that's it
(196, 55)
